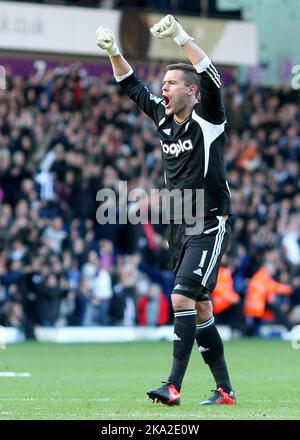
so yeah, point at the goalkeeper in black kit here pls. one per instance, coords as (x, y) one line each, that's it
(190, 122)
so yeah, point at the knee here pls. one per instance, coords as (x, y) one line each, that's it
(180, 302)
(204, 311)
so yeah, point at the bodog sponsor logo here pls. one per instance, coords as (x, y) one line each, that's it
(175, 149)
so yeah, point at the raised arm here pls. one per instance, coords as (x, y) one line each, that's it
(212, 108)
(136, 90)
(105, 39)
(168, 27)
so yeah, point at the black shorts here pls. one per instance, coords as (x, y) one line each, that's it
(198, 261)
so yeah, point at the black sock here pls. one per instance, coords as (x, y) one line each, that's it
(211, 347)
(184, 337)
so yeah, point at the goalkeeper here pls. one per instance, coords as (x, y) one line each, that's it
(190, 122)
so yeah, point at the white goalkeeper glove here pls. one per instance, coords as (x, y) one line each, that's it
(168, 27)
(105, 39)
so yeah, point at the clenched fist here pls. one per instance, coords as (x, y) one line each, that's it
(168, 27)
(105, 39)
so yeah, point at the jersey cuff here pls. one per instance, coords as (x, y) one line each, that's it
(203, 65)
(120, 78)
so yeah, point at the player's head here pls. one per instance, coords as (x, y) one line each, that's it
(180, 87)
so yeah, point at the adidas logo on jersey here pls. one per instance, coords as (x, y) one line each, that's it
(175, 148)
(198, 272)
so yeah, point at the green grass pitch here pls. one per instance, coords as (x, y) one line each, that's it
(109, 381)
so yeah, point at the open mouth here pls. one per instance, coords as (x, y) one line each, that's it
(167, 101)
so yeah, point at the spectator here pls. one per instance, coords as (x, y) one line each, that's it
(54, 235)
(261, 298)
(102, 294)
(226, 302)
(48, 299)
(153, 308)
(124, 300)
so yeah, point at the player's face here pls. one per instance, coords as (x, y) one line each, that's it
(175, 92)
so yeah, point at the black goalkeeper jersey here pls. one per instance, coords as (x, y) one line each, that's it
(192, 151)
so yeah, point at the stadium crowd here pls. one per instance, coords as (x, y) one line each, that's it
(64, 135)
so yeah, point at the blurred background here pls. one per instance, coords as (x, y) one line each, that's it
(67, 131)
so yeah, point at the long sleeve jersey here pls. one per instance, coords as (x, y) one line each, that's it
(192, 152)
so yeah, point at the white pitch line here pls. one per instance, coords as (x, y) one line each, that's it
(13, 374)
